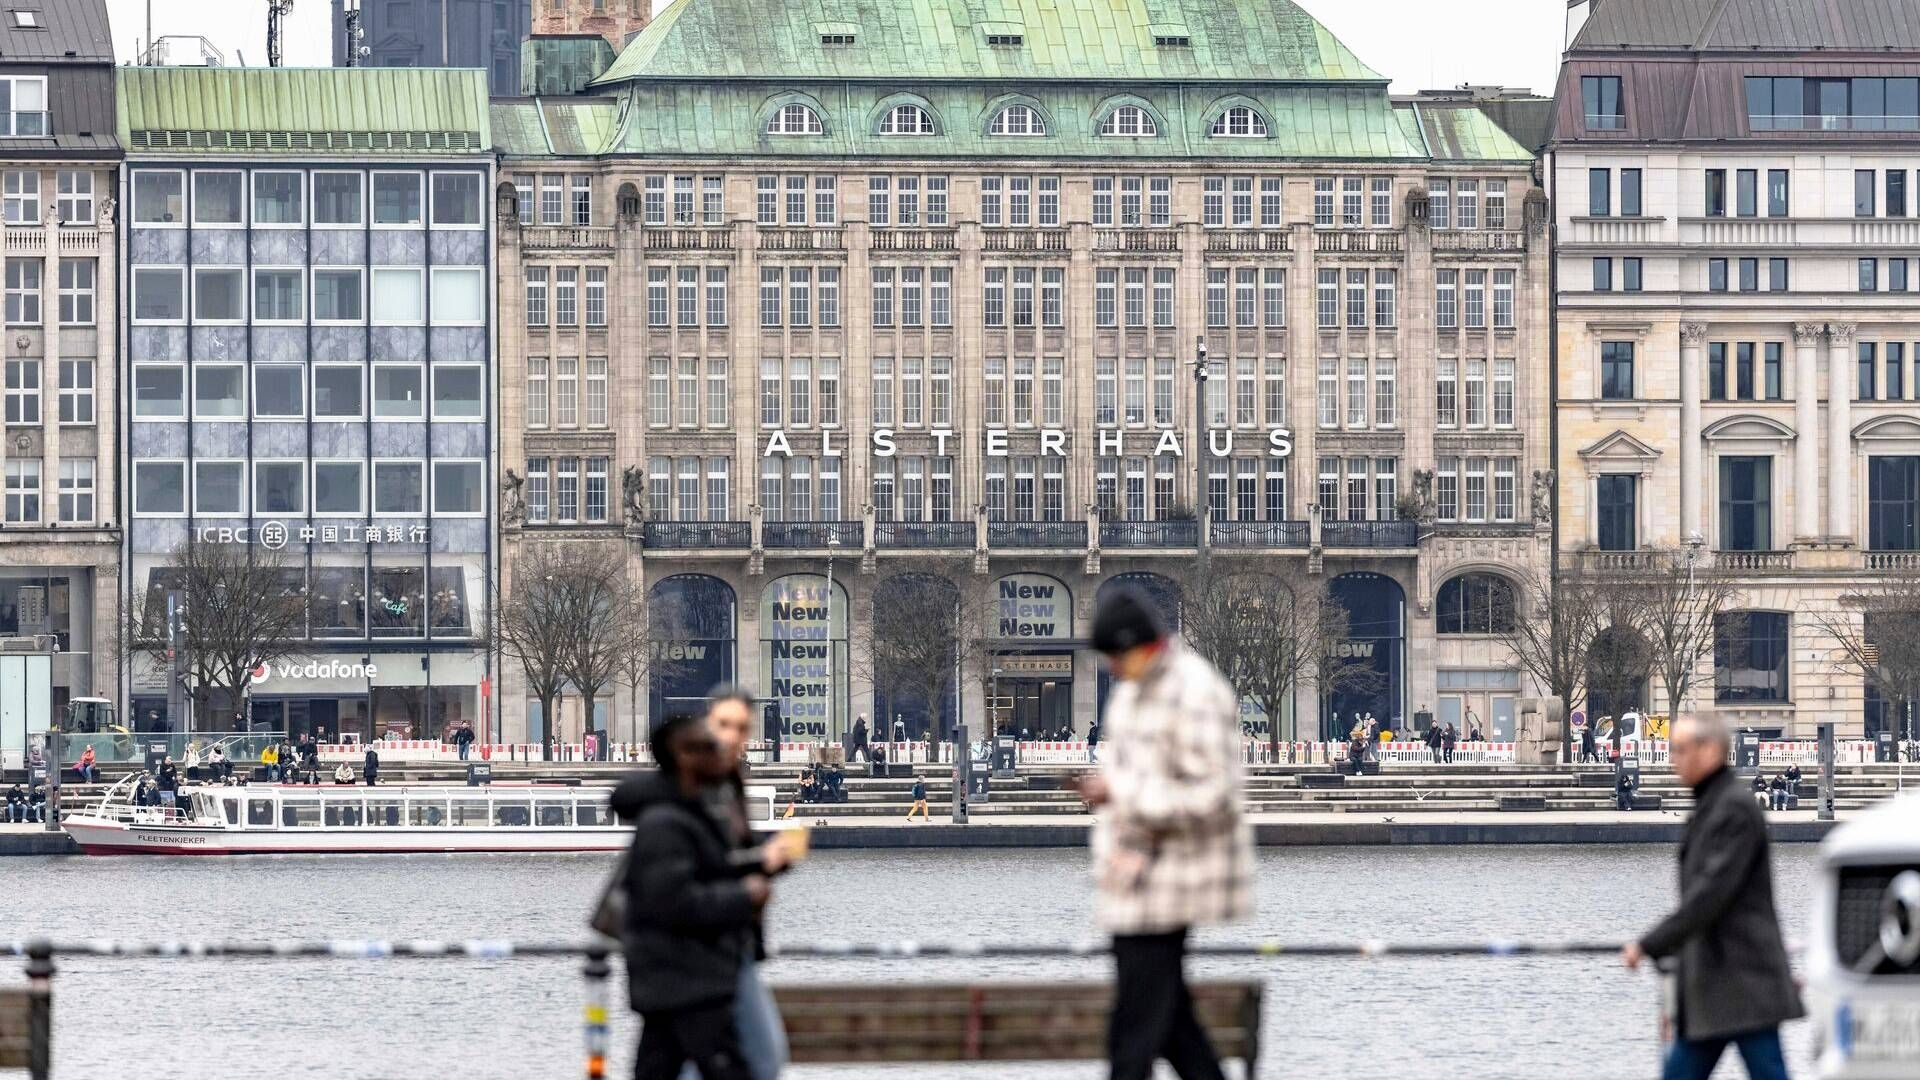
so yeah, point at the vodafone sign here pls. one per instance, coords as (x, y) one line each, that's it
(313, 670)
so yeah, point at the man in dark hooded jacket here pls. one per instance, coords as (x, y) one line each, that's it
(691, 910)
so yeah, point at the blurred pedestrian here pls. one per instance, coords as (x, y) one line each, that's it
(919, 801)
(1734, 986)
(857, 742)
(370, 766)
(1170, 848)
(1448, 739)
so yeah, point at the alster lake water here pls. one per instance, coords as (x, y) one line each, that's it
(1576, 1017)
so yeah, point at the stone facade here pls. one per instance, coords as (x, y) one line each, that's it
(1019, 326)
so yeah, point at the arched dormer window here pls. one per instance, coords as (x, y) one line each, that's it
(1475, 604)
(1018, 120)
(795, 119)
(1129, 122)
(1240, 122)
(907, 120)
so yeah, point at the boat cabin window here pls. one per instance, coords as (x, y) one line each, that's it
(341, 812)
(426, 813)
(259, 811)
(300, 814)
(206, 808)
(550, 813)
(592, 814)
(512, 813)
(232, 808)
(385, 812)
(470, 813)
(759, 807)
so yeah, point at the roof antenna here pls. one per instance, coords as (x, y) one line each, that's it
(277, 10)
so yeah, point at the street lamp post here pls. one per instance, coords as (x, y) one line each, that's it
(833, 687)
(1199, 435)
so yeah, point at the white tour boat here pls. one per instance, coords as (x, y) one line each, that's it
(337, 819)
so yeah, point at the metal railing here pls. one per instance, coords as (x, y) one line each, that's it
(116, 747)
(690, 535)
(1260, 534)
(811, 534)
(923, 534)
(1037, 534)
(1369, 534)
(1150, 534)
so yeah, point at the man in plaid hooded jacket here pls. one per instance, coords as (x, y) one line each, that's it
(1171, 849)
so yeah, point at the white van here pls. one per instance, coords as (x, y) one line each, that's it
(1863, 952)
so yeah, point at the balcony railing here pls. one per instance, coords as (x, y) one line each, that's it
(697, 535)
(923, 534)
(1893, 560)
(912, 240)
(802, 240)
(1748, 561)
(1150, 534)
(72, 240)
(1149, 241)
(719, 238)
(1260, 534)
(1037, 534)
(26, 124)
(1356, 242)
(1595, 561)
(1024, 240)
(1478, 240)
(1368, 534)
(590, 238)
(1274, 241)
(811, 534)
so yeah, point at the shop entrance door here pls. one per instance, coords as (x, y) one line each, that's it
(1491, 711)
(1040, 706)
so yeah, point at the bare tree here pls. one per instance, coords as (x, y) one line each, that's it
(642, 659)
(1269, 626)
(607, 610)
(928, 631)
(1677, 607)
(240, 608)
(564, 617)
(1553, 630)
(1876, 635)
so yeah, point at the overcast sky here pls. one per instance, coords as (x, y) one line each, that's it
(1419, 44)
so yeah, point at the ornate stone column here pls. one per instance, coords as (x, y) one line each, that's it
(1693, 337)
(1840, 433)
(1806, 424)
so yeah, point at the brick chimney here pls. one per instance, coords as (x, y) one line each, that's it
(615, 20)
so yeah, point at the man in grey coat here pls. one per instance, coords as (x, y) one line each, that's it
(1734, 984)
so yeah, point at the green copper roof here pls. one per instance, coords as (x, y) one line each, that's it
(540, 127)
(341, 109)
(1465, 134)
(1330, 122)
(1224, 41)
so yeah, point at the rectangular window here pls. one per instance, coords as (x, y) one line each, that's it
(1503, 393)
(22, 198)
(1327, 386)
(882, 303)
(1599, 192)
(1474, 395)
(1447, 392)
(1600, 103)
(74, 196)
(1446, 311)
(1863, 192)
(76, 391)
(1716, 275)
(1323, 202)
(1746, 516)
(1382, 203)
(566, 296)
(1630, 193)
(1273, 297)
(1603, 275)
(827, 298)
(1869, 275)
(994, 298)
(1616, 370)
(398, 298)
(1356, 299)
(1385, 393)
(686, 296)
(1716, 192)
(1746, 193)
(23, 392)
(1327, 299)
(826, 201)
(76, 292)
(1776, 275)
(1777, 191)
(718, 403)
(1617, 516)
(596, 390)
(536, 278)
(659, 392)
(1503, 300)
(456, 198)
(278, 199)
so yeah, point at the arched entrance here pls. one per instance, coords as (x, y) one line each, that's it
(1618, 663)
(1162, 591)
(691, 626)
(913, 654)
(1376, 650)
(803, 638)
(1032, 678)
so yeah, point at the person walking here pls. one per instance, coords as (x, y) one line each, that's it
(857, 743)
(1448, 739)
(1093, 740)
(919, 801)
(370, 766)
(1432, 739)
(691, 909)
(1734, 986)
(169, 782)
(1170, 848)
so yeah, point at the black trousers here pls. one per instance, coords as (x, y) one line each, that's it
(704, 1035)
(1153, 1012)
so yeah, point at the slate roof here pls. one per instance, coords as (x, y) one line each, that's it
(322, 109)
(1228, 40)
(1748, 25)
(74, 32)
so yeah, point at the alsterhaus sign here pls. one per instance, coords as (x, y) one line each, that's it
(1107, 442)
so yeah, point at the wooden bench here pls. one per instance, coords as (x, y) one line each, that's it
(24, 1031)
(990, 1021)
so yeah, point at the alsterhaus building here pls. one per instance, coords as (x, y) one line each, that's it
(1739, 341)
(308, 368)
(794, 283)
